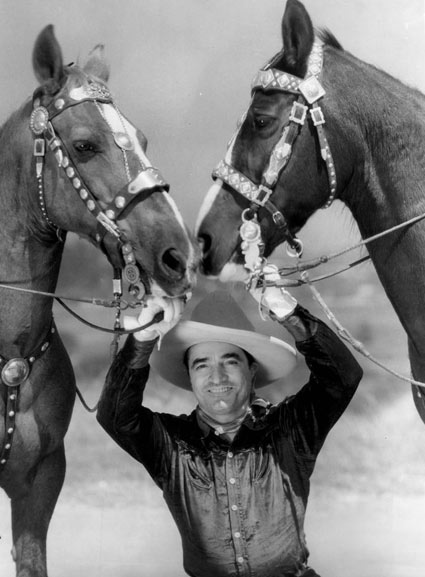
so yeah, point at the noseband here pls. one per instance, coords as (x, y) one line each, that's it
(148, 180)
(309, 91)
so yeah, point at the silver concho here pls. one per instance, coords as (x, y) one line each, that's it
(15, 372)
(250, 231)
(131, 273)
(123, 141)
(251, 243)
(39, 119)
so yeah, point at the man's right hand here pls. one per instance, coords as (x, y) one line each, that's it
(273, 299)
(172, 309)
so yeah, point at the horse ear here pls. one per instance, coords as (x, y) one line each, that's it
(47, 59)
(96, 64)
(298, 38)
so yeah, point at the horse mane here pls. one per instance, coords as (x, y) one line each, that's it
(329, 39)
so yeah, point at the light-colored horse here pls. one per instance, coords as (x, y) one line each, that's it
(69, 161)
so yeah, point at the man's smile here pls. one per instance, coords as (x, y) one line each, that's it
(220, 389)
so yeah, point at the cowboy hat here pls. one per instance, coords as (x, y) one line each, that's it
(219, 318)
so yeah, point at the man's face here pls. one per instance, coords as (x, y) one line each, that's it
(221, 379)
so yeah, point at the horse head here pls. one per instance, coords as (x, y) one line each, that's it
(279, 168)
(95, 179)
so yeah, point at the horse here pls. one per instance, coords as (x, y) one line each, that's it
(70, 160)
(324, 125)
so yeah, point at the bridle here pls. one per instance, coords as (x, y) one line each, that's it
(147, 181)
(308, 91)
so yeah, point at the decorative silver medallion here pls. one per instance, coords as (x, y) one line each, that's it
(131, 273)
(39, 119)
(15, 372)
(123, 141)
(251, 243)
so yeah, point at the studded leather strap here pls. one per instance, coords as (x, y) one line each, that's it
(15, 372)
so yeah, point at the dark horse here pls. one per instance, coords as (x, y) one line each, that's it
(69, 161)
(322, 125)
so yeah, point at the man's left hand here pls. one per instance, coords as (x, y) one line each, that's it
(172, 309)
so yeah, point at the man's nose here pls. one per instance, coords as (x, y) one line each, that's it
(217, 374)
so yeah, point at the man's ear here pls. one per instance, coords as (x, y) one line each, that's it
(253, 369)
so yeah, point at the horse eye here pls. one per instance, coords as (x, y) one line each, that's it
(262, 122)
(84, 147)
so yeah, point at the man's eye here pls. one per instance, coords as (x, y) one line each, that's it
(200, 366)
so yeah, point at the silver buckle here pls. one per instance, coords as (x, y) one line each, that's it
(317, 116)
(298, 113)
(267, 194)
(39, 147)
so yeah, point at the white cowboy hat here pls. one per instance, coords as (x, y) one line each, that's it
(219, 318)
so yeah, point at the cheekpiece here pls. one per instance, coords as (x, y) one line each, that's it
(15, 372)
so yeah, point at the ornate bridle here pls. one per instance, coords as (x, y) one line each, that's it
(148, 180)
(309, 91)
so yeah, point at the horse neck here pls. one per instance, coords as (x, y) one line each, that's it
(388, 184)
(30, 259)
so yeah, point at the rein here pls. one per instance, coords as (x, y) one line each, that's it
(117, 302)
(356, 344)
(313, 263)
(257, 277)
(15, 371)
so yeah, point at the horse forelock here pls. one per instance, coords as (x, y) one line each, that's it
(327, 37)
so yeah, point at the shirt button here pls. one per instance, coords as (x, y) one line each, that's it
(230, 455)
(237, 534)
(232, 480)
(239, 559)
(234, 507)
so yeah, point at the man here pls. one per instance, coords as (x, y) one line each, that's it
(235, 472)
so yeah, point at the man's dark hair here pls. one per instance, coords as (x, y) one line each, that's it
(249, 358)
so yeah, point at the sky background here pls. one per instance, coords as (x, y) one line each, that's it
(181, 71)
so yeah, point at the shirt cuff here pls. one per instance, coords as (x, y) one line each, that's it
(301, 324)
(135, 354)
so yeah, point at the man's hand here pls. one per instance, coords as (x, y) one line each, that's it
(172, 308)
(274, 301)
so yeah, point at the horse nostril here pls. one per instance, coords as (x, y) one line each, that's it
(205, 242)
(174, 262)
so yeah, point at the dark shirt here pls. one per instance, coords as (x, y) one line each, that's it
(240, 505)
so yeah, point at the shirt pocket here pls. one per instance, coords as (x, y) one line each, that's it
(262, 465)
(197, 472)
